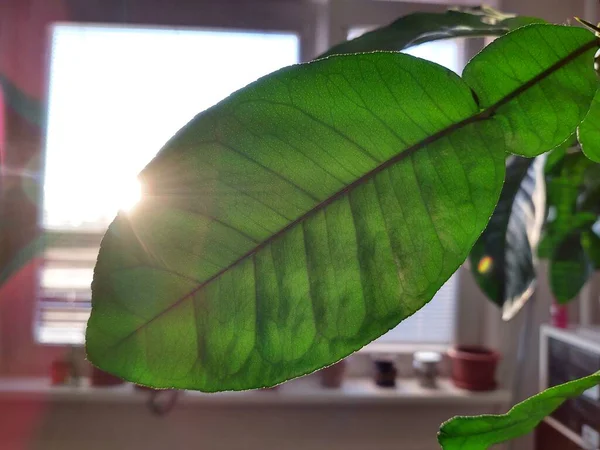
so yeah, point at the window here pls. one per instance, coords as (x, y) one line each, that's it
(116, 95)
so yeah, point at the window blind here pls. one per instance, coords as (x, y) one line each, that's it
(432, 324)
(116, 95)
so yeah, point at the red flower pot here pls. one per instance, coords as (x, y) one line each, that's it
(474, 368)
(101, 378)
(60, 372)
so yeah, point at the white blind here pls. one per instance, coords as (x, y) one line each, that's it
(432, 324)
(116, 95)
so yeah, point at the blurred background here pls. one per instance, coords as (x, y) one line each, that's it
(91, 90)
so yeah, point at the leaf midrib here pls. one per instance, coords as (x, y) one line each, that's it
(482, 115)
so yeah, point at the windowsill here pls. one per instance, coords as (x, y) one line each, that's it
(303, 391)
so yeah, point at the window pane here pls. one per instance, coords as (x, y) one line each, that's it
(118, 94)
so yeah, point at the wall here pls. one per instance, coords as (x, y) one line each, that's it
(558, 11)
(70, 426)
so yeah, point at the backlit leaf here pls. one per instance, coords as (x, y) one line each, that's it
(589, 131)
(312, 211)
(481, 432)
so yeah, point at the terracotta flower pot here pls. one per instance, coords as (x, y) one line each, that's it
(60, 372)
(333, 376)
(474, 368)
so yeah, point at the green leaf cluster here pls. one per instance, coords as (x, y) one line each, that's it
(570, 242)
(312, 211)
(315, 209)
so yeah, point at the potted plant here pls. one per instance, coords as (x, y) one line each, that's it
(410, 149)
(474, 368)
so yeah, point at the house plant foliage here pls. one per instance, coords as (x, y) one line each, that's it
(313, 210)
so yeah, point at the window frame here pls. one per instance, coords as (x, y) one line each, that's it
(20, 353)
(78, 247)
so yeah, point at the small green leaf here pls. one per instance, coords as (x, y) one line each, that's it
(590, 242)
(569, 268)
(312, 211)
(418, 28)
(589, 131)
(481, 432)
(503, 259)
(496, 71)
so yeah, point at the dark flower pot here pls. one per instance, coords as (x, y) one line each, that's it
(385, 373)
(474, 368)
(333, 376)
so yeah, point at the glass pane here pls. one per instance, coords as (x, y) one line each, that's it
(117, 94)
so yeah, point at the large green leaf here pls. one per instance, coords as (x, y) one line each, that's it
(503, 258)
(481, 432)
(589, 131)
(312, 211)
(420, 27)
